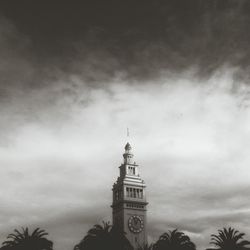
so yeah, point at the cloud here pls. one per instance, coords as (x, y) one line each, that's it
(190, 139)
(100, 41)
(64, 119)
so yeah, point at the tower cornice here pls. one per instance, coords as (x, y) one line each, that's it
(129, 201)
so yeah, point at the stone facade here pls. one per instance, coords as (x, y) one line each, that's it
(129, 201)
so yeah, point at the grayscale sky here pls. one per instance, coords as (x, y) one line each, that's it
(74, 76)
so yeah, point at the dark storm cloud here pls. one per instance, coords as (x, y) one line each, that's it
(74, 75)
(138, 39)
(44, 44)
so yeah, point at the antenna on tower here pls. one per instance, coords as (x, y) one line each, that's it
(127, 132)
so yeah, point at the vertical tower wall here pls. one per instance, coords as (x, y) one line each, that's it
(129, 201)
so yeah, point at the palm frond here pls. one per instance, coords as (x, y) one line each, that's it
(229, 238)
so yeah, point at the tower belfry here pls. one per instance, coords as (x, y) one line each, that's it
(129, 201)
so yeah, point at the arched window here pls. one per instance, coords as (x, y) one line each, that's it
(127, 192)
(141, 194)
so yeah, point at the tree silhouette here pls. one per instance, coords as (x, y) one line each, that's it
(229, 239)
(104, 237)
(146, 247)
(25, 241)
(174, 240)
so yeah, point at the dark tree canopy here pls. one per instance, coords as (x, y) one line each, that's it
(23, 240)
(174, 240)
(146, 247)
(104, 237)
(229, 239)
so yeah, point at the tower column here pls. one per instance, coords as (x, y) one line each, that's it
(129, 208)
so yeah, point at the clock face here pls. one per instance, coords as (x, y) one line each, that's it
(135, 224)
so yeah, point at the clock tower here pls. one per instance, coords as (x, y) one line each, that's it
(129, 201)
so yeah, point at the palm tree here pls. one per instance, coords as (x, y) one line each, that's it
(25, 241)
(174, 240)
(146, 247)
(104, 237)
(229, 239)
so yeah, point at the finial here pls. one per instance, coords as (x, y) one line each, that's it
(128, 147)
(127, 132)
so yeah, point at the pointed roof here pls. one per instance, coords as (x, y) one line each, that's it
(128, 147)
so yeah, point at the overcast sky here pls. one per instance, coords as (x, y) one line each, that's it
(74, 76)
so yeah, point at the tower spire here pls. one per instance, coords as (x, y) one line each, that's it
(128, 156)
(129, 201)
